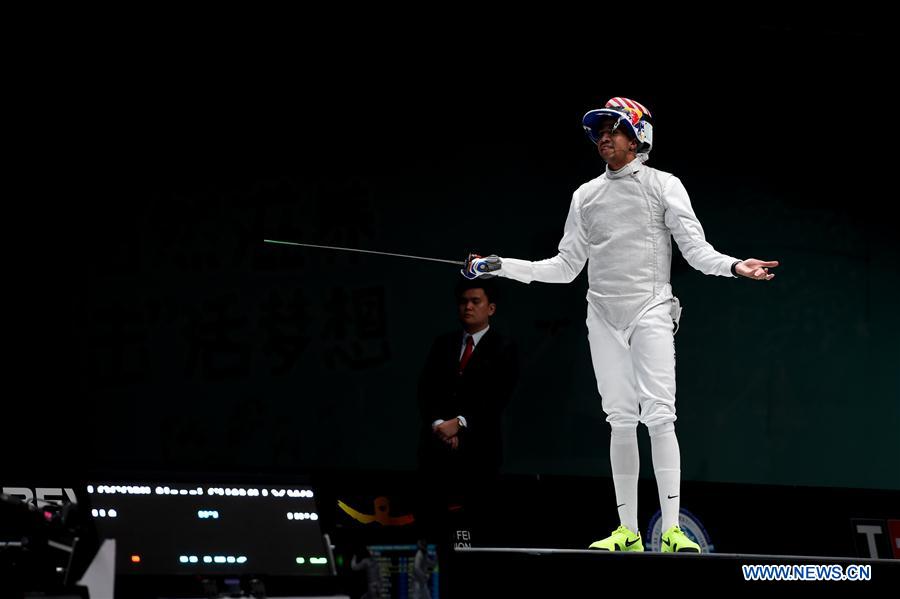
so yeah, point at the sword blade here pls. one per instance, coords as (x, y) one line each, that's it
(342, 249)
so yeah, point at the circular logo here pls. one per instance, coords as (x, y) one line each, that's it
(689, 524)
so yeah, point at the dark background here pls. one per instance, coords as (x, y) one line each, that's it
(150, 328)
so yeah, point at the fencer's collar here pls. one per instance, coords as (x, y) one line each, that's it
(632, 167)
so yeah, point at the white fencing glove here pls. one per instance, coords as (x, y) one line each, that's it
(476, 266)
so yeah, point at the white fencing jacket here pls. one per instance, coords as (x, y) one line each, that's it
(623, 222)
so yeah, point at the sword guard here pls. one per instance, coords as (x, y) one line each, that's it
(479, 266)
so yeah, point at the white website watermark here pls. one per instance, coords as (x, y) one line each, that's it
(813, 572)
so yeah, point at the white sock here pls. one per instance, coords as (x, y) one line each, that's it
(626, 465)
(667, 466)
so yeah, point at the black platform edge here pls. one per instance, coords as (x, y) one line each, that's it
(555, 572)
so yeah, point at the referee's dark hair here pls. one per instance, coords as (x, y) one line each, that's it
(488, 285)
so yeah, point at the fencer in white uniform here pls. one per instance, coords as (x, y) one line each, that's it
(621, 224)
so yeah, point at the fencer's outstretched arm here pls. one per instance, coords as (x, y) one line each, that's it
(691, 240)
(562, 268)
(688, 232)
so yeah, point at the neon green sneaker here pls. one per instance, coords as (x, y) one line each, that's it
(674, 540)
(622, 539)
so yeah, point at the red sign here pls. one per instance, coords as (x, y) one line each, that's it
(894, 536)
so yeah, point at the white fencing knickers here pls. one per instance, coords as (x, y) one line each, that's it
(635, 371)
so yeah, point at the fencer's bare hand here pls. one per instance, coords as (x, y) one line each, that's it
(453, 442)
(447, 429)
(756, 269)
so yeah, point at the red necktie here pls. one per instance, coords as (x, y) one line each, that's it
(470, 347)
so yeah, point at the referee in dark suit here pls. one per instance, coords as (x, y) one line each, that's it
(468, 379)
